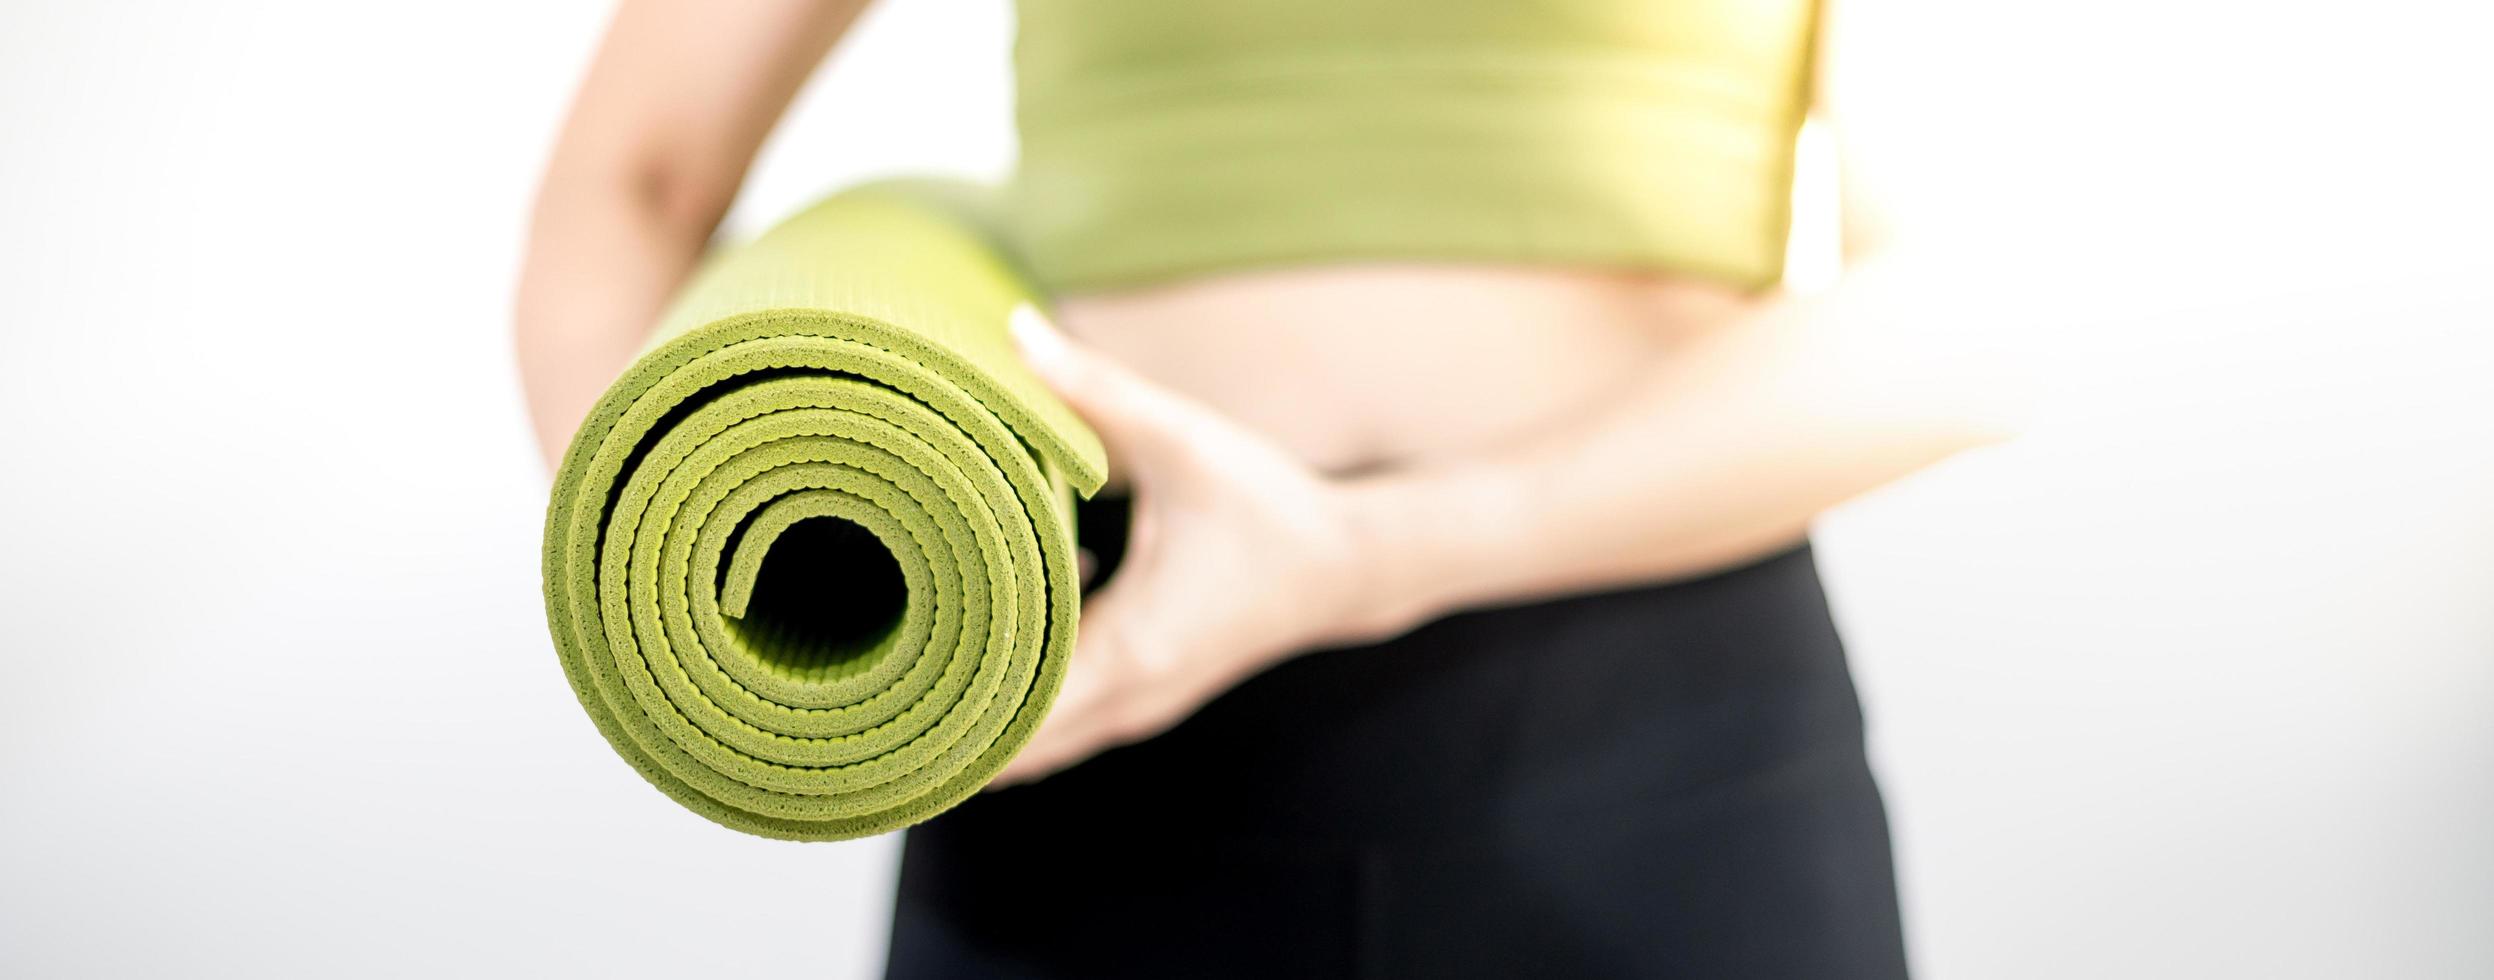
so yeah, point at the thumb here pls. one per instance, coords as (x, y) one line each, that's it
(1142, 423)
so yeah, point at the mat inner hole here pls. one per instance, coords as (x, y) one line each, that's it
(828, 596)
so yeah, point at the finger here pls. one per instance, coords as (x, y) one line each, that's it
(1036, 757)
(1063, 739)
(1142, 422)
(1081, 696)
(1044, 758)
(1079, 720)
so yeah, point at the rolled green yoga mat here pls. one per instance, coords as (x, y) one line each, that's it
(809, 563)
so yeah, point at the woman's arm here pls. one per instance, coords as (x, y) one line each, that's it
(1725, 453)
(678, 99)
(1240, 556)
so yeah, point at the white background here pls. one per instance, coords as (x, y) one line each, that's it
(2191, 681)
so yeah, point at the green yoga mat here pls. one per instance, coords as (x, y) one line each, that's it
(809, 563)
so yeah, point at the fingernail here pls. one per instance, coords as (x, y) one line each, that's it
(1033, 333)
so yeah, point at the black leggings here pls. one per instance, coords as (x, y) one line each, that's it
(1657, 782)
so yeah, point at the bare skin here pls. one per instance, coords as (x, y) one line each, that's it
(679, 97)
(1323, 455)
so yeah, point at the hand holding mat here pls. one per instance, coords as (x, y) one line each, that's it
(809, 562)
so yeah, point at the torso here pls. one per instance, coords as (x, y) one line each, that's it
(1355, 366)
(1378, 230)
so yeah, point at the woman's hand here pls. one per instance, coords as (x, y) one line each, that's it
(1239, 556)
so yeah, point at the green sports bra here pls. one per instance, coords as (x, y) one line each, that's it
(1169, 138)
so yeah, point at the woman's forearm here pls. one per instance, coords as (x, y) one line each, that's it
(600, 268)
(677, 101)
(1726, 451)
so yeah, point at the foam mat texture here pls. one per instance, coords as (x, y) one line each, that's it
(809, 562)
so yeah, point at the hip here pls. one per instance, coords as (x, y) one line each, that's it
(1665, 781)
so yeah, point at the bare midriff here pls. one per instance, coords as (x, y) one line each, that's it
(1369, 365)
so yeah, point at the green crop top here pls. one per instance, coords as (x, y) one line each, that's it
(1168, 138)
